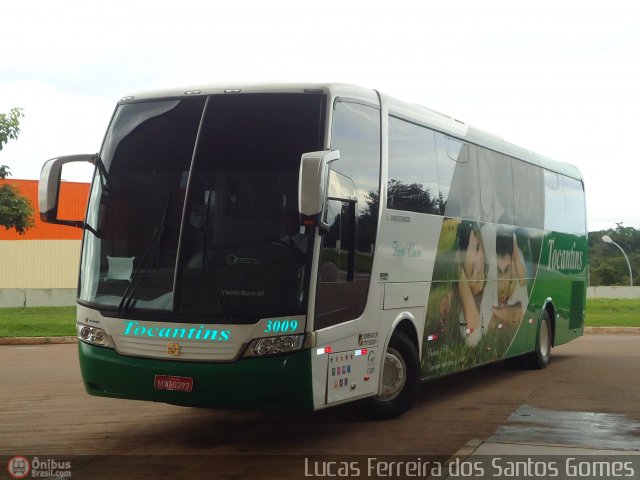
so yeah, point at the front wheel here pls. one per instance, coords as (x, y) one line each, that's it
(539, 358)
(400, 379)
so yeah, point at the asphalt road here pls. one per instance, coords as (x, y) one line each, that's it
(45, 412)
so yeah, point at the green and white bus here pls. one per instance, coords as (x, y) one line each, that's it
(296, 247)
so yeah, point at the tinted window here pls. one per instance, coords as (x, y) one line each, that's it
(342, 287)
(496, 186)
(528, 194)
(574, 204)
(554, 214)
(147, 152)
(446, 166)
(239, 250)
(413, 171)
(464, 194)
(243, 254)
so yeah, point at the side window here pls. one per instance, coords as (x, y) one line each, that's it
(528, 194)
(346, 255)
(496, 187)
(446, 166)
(554, 213)
(464, 194)
(575, 206)
(413, 170)
(338, 244)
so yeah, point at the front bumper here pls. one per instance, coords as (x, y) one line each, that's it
(279, 382)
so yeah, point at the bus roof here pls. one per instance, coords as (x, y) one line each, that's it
(416, 113)
(456, 128)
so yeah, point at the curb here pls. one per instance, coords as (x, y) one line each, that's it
(37, 340)
(600, 330)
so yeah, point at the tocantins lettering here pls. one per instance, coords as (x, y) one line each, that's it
(134, 329)
(562, 259)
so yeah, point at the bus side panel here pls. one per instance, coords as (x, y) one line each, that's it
(406, 255)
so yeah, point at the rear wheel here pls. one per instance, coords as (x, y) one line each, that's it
(400, 379)
(539, 358)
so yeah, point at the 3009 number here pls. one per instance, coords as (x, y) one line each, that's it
(281, 326)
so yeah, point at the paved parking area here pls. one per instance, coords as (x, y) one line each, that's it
(45, 411)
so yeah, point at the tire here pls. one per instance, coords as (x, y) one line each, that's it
(400, 379)
(539, 358)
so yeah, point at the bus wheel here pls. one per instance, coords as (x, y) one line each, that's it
(400, 379)
(539, 358)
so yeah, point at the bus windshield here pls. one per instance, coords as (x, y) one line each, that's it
(197, 212)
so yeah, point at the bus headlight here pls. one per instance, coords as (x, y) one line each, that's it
(94, 335)
(260, 347)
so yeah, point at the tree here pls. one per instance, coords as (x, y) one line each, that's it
(605, 274)
(10, 125)
(413, 197)
(15, 209)
(608, 266)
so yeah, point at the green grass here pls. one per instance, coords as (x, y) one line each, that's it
(603, 312)
(38, 322)
(60, 321)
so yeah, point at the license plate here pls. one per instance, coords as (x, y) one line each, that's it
(171, 382)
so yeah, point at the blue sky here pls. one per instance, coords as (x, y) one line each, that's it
(559, 78)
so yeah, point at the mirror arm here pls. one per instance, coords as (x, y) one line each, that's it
(78, 224)
(97, 162)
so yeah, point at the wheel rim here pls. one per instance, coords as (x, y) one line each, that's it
(393, 375)
(545, 344)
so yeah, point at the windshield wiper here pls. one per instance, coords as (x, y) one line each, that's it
(127, 297)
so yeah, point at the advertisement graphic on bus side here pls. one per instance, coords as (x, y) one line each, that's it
(482, 297)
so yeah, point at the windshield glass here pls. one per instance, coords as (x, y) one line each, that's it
(208, 185)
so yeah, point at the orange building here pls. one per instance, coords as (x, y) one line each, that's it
(46, 257)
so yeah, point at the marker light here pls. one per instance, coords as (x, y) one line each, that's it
(99, 336)
(93, 335)
(260, 347)
(288, 343)
(323, 350)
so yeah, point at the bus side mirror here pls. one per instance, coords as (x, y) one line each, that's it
(313, 184)
(49, 188)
